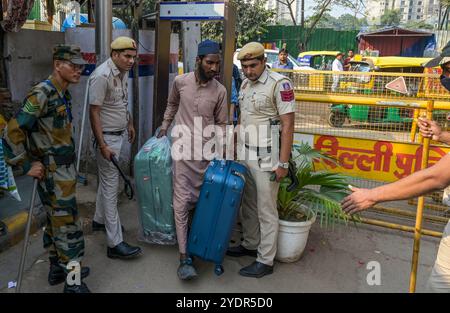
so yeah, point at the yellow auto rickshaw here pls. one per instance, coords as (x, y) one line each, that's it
(379, 85)
(319, 60)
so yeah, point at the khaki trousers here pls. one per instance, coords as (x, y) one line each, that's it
(439, 280)
(108, 190)
(259, 214)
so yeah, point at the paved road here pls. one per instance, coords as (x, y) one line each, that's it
(334, 261)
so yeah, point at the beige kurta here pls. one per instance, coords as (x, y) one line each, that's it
(188, 102)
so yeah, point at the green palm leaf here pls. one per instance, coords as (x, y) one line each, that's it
(321, 191)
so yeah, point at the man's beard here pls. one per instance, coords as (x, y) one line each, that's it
(202, 74)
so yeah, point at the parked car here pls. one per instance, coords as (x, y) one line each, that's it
(272, 56)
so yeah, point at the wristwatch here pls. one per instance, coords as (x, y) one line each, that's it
(283, 165)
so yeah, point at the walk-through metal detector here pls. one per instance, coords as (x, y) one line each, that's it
(169, 11)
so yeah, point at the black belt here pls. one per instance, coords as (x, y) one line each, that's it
(260, 149)
(116, 133)
(60, 159)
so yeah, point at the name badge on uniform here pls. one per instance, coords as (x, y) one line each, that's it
(287, 94)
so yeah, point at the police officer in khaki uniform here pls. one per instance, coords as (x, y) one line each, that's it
(110, 119)
(266, 99)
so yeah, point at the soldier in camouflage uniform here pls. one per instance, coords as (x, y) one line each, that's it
(41, 132)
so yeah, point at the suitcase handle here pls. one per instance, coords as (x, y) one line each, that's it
(236, 173)
(158, 199)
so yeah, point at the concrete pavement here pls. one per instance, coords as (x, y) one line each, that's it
(334, 261)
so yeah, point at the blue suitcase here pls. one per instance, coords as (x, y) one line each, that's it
(216, 211)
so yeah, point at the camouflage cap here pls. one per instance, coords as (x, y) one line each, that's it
(68, 53)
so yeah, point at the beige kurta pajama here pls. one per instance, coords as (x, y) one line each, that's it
(189, 101)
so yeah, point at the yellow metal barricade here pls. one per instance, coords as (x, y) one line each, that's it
(376, 140)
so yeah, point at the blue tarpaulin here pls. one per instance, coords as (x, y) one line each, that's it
(69, 22)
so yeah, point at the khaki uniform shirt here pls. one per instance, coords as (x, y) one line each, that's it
(261, 101)
(109, 90)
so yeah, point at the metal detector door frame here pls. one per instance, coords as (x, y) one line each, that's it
(162, 47)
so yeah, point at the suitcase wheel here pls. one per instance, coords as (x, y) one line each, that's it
(219, 270)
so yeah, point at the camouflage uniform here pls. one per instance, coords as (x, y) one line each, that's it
(43, 129)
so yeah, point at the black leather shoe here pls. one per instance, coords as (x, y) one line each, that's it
(58, 275)
(76, 288)
(2, 228)
(101, 227)
(123, 251)
(256, 269)
(240, 251)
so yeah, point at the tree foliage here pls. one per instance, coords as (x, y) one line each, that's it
(252, 19)
(289, 4)
(125, 12)
(418, 25)
(343, 22)
(390, 18)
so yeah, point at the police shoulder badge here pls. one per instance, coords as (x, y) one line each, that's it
(287, 94)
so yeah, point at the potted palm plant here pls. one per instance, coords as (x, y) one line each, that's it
(318, 194)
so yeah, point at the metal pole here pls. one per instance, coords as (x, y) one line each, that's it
(430, 206)
(103, 29)
(409, 229)
(137, 13)
(420, 205)
(82, 179)
(406, 213)
(89, 8)
(414, 126)
(161, 80)
(228, 49)
(27, 235)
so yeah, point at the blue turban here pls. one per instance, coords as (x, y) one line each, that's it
(208, 47)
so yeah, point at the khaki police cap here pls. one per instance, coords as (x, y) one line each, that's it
(252, 50)
(123, 43)
(69, 53)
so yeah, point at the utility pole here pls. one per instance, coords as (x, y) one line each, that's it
(103, 29)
